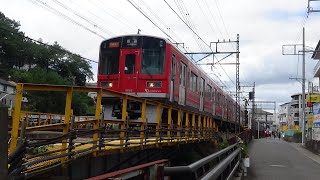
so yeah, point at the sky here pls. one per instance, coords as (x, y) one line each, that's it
(264, 26)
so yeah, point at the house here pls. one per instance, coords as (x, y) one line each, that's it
(7, 93)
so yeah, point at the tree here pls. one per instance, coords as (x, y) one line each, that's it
(29, 61)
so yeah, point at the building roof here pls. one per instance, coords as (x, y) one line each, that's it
(316, 55)
(2, 81)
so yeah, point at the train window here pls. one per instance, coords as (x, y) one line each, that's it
(209, 92)
(152, 61)
(109, 61)
(173, 66)
(153, 56)
(193, 82)
(130, 64)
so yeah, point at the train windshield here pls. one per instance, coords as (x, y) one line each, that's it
(109, 58)
(153, 54)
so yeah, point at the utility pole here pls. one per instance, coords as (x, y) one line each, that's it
(298, 52)
(238, 87)
(237, 63)
(303, 87)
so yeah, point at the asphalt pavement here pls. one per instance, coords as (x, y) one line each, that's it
(273, 159)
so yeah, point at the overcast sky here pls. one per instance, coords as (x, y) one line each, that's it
(264, 26)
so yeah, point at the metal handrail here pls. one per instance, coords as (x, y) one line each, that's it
(216, 171)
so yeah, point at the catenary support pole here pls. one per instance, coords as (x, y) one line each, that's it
(303, 87)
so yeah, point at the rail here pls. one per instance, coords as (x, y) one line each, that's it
(226, 162)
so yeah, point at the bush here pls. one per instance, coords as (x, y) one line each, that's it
(223, 144)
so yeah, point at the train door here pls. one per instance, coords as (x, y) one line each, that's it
(128, 70)
(182, 86)
(201, 93)
(173, 76)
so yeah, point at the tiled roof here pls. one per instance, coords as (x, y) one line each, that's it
(2, 81)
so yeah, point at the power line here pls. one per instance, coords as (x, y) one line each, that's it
(146, 16)
(96, 16)
(186, 23)
(118, 17)
(224, 25)
(189, 21)
(95, 25)
(58, 13)
(48, 45)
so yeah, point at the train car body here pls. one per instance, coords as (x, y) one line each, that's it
(152, 67)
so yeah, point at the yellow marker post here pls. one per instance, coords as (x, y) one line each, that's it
(187, 127)
(67, 116)
(158, 123)
(143, 121)
(124, 119)
(97, 116)
(169, 124)
(199, 127)
(16, 118)
(179, 126)
(193, 125)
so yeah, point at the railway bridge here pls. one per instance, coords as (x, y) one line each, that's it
(67, 146)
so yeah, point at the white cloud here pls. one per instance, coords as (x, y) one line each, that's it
(264, 26)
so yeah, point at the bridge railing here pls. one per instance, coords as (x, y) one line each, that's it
(97, 135)
(220, 164)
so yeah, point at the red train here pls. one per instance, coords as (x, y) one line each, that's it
(152, 67)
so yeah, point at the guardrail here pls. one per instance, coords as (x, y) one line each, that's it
(32, 157)
(186, 123)
(225, 163)
(151, 170)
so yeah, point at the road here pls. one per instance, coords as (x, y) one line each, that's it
(272, 159)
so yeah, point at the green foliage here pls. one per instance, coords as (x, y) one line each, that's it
(297, 134)
(223, 144)
(41, 149)
(28, 62)
(244, 151)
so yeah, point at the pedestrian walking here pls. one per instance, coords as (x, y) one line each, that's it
(279, 134)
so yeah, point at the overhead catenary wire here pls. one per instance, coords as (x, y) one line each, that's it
(190, 29)
(48, 45)
(146, 16)
(161, 21)
(186, 23)
(118, 17)
(154, 23)
(94, 24)
(58, 13)
(93, 14)
(186, 15)
(224, 25)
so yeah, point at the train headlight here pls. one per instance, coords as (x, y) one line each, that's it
(106, 84)
(156, 84)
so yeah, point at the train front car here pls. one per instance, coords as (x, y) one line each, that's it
(134, 65)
